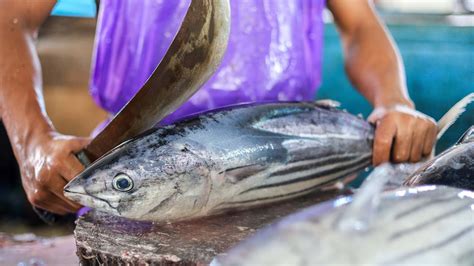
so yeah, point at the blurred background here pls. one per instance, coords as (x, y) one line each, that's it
(435, 37)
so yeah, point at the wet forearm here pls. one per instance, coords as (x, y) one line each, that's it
(21, 101)
(375, 67)
(372, 60)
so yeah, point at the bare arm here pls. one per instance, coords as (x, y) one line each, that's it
(375, 67)
(45, 158)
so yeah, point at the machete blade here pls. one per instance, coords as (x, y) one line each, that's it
(191, 59)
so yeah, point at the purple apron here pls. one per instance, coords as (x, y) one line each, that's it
(274, 52)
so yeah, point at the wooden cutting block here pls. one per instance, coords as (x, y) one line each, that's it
(103, 239)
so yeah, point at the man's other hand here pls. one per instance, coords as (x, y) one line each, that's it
(47, 164)
(402, 134)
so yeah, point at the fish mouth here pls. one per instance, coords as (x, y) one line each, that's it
(80, 195)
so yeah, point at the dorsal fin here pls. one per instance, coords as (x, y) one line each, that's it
(328, 103)
(468, 136)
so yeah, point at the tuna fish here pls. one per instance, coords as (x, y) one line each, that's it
(425, 225)
(239, 157)
(234, 158)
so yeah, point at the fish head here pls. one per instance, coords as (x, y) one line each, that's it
(143, 180)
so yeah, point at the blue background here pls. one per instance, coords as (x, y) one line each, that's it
(75, 8)
(439, 63)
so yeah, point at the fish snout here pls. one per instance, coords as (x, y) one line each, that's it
(77, 192)
(74, 191)
(74, 188)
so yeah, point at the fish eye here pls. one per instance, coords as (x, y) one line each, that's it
(122, 182)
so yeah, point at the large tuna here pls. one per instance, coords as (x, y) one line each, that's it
(243, 156)
(227, 159)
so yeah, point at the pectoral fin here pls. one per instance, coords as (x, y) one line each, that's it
(240, 173)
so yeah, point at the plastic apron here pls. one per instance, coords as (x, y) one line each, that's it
(274, 52)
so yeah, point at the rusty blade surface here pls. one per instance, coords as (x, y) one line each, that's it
(192, 58)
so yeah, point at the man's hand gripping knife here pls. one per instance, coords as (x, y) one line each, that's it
(45, 157)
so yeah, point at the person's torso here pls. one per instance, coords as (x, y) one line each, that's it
(274, 52)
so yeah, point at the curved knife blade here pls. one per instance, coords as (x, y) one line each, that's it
(192, 58)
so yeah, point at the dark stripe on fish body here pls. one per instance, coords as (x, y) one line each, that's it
(424, 205)
(306, 164)
(428, 223)
(291, 193)
(440, 244)
(314, 175)
(243, 172)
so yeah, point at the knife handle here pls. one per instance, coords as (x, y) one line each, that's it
(83, 158)
(49, 217)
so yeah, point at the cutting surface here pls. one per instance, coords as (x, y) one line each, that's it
(106, 239)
